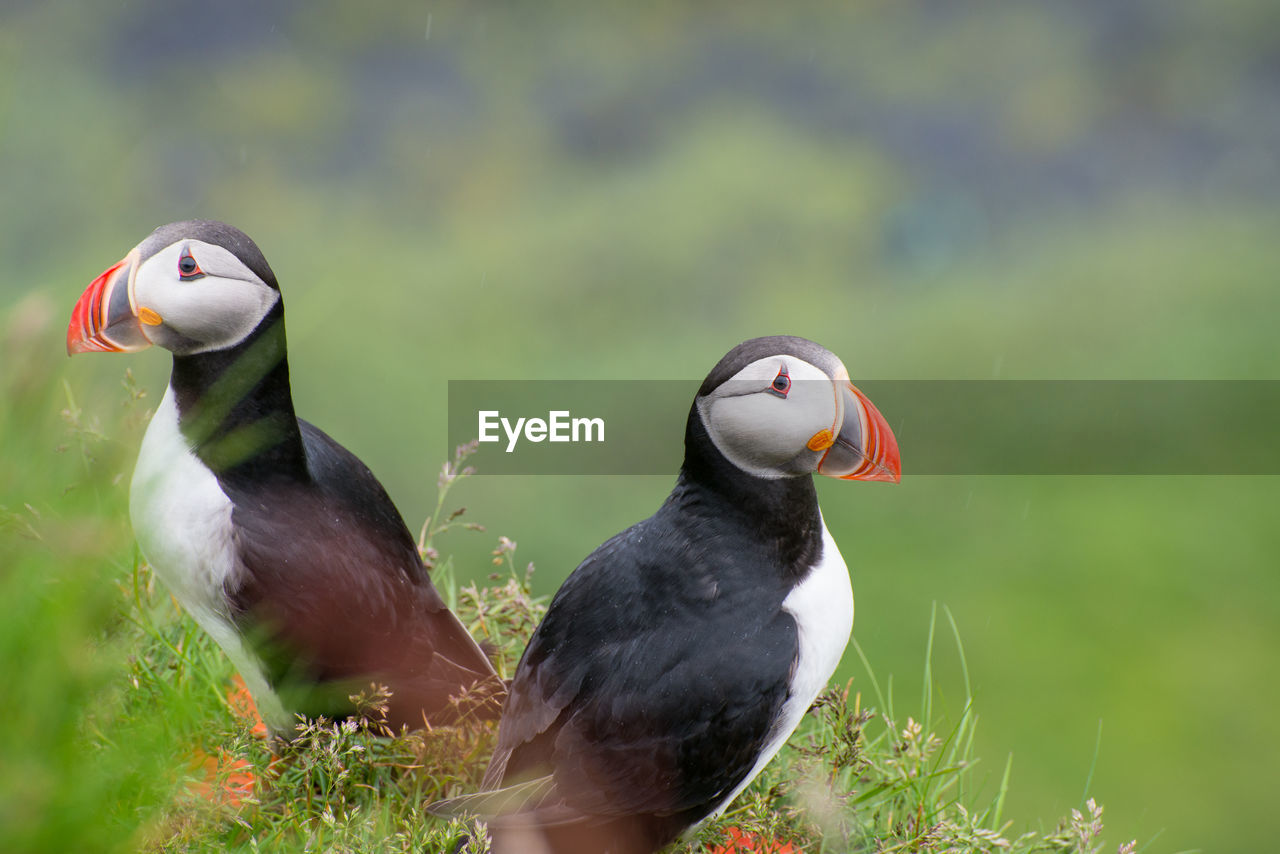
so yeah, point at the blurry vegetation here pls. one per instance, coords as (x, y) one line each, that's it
(451, 191)
(124, 736)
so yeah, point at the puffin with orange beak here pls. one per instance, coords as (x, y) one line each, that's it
(679, 656)
(279, 542)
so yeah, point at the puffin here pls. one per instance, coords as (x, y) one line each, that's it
(276, 539)
(675, 661)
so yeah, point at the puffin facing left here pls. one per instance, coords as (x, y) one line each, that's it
(278, 541)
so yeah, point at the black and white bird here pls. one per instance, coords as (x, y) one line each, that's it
(680, 655)
(279, 542)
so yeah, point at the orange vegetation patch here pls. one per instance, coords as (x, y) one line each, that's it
(739, 842)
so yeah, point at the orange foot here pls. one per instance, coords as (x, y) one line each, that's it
(241, 702)
(223, 779)
(751, 843)
(236, 775)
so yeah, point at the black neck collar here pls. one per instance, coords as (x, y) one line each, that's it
(236, 409)
(780, 514)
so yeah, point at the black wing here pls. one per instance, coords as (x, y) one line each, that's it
(335, 591)
(653, 682)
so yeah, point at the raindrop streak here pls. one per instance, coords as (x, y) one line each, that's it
(427, 36)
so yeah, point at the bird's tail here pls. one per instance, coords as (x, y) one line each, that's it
(520, 798)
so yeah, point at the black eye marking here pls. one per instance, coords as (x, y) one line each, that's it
(781, 383)
(188, 269)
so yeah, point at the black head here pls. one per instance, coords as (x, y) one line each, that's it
(192, 287)
(214, 233)
(783, 406)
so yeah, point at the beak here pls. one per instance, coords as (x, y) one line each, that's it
(865, 448)
(104, 319)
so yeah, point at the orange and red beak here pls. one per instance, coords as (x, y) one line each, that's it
(865, 448)
(105, 319)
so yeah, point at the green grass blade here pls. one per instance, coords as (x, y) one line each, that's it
(1093, 764)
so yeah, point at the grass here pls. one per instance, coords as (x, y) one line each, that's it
(859, 778)
(847, 784)
(124, 738)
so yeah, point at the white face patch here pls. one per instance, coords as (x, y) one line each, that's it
(764, 416)
(208, 312)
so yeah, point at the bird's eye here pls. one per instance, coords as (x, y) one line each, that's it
(781, 383)
(188, 269)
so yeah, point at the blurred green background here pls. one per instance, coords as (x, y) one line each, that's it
(571, 191)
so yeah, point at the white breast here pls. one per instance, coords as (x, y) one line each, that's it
(182, 520)
(822, 606)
